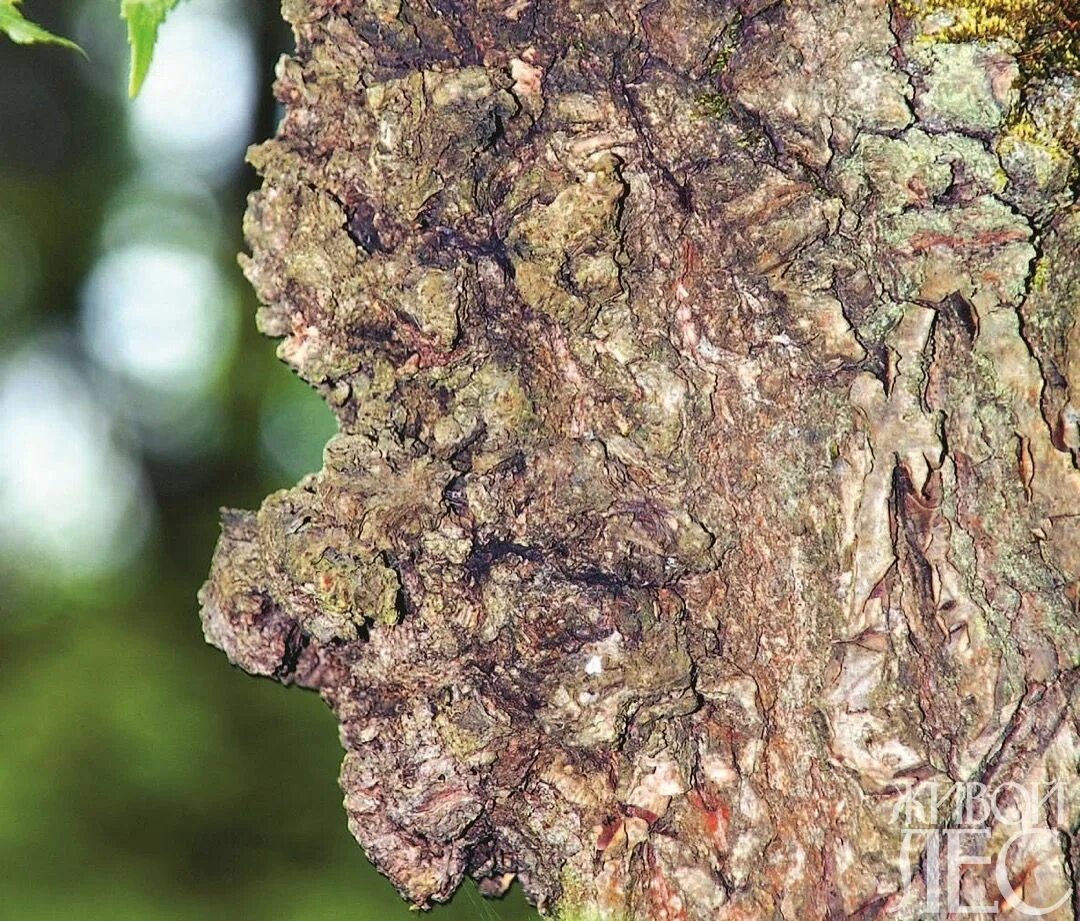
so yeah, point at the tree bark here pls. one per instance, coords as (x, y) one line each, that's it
(707, 479)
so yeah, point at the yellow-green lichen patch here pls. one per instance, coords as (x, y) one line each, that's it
(490, 397)
(966, 86)
(1038, 165)
(575, 235)
(1043, 36)
(582, 902)
(711, 105)
(1046, 30)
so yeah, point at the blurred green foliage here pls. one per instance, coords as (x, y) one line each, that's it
(141, 777)
(23, 31)
(143, 17)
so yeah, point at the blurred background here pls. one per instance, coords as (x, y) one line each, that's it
(140, 775)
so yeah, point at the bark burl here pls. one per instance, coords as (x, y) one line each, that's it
(708, 379)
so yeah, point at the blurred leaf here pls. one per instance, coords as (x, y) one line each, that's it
(24, 32)
(143, 17)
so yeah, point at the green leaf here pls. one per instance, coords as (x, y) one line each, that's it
(144, 17)
(24, 32)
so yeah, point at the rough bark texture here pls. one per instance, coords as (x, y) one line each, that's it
(707, 380)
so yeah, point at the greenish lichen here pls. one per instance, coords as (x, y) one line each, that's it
(711, 105)
(1045, 30)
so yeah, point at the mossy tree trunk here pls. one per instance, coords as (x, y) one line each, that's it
(707, 480)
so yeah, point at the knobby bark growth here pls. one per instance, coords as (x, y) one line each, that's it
(707, 476)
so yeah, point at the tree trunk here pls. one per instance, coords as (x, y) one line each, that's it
(707, 482)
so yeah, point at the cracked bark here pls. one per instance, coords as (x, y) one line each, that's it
(705, 482)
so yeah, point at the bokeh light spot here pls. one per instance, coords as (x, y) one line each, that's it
(197, 104)
(160, 315)
(72, 497)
